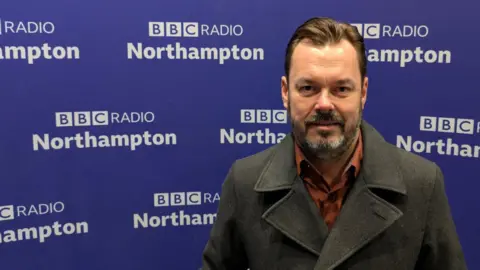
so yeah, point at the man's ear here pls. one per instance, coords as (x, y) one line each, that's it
(284, 87)
(364, 92)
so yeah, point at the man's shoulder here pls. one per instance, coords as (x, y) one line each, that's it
(414, 160)
(255, 162)
(388, 154)
(416, 170)
(246, 171)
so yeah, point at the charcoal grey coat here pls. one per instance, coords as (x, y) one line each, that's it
(396, 216)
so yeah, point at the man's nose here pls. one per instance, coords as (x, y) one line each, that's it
(323, 101)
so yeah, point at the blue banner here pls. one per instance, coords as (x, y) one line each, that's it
(121, 119)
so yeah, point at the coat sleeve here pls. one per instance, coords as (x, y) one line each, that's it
(224, 249)
(441, 249)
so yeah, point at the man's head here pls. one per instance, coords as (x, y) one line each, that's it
(325, 86)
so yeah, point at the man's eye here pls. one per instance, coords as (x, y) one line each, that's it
(306, 88)
(343, 89)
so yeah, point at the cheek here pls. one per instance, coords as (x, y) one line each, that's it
(351, 115)
(299, 114)
(300, 110)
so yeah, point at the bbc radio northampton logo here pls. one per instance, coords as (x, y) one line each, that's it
(449, 125)
(262, 116)
(32, 53)
(455, 131)
(192, 29)
(275, 118)
(40, 233)
(185, 206)
(101, 118)
(96, 138)
(377, 31)
(184, 198)
(217, 51)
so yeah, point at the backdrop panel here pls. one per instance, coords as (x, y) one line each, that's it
(120, 119)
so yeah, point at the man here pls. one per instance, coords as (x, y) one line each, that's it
(334, 194)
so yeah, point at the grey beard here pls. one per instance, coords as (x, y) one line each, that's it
(328, 151)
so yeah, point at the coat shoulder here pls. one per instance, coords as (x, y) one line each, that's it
(246, 171)
(416, 170)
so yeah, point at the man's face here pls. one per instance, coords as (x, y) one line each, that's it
(325, 97)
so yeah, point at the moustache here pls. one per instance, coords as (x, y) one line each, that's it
(322, 117)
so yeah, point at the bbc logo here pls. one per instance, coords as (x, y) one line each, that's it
(177, 199)
(368, 30)
(448, 125)
(263, 116)
(6, 212)
(81, 119)
(173, 29)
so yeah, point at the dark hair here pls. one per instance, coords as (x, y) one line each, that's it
(323, 31)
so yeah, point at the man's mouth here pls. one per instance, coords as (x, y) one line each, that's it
(326, 123)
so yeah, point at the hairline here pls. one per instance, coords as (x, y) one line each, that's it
(322, 45)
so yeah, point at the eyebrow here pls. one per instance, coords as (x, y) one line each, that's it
(338, 82)
(345, 82)
(303, 81)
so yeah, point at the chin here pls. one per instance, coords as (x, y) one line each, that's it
(323, 139)
(325, 135)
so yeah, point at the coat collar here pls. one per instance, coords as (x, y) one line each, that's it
(364, 215)
(378, 166)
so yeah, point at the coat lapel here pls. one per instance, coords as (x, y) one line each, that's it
(363, 217)
(365, 214)
(293, 214)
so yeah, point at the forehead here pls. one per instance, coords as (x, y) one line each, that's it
(334, 61)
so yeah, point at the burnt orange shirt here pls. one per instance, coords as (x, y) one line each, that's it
(329, 199)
